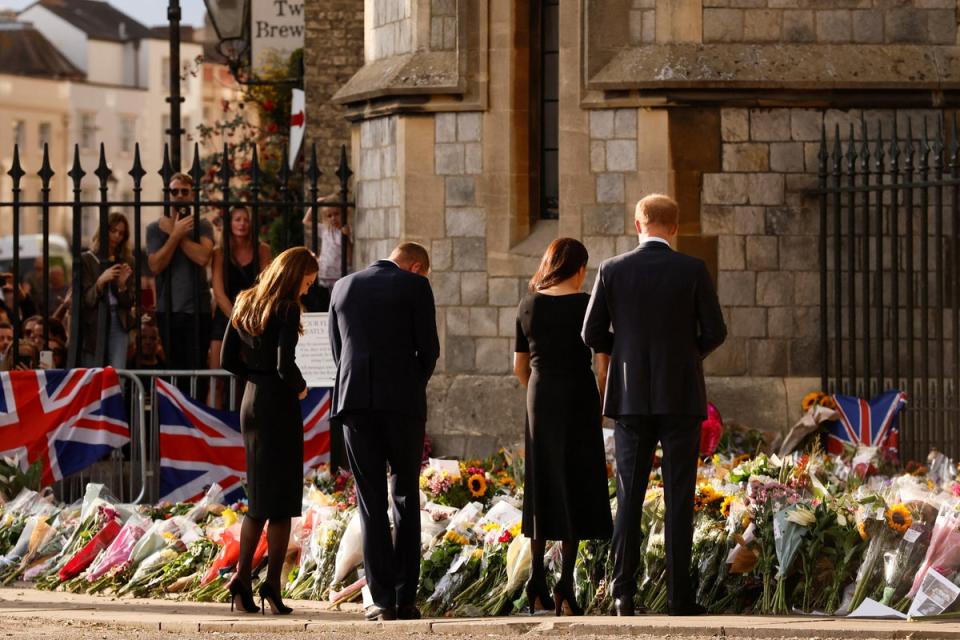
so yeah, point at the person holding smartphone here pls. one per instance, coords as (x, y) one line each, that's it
(107, 276)
(178, 260)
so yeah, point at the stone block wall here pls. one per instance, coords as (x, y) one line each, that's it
(476, 312)
(333, 52)
(377, 225)
(834, 21)
(393, 30)
(765, 213)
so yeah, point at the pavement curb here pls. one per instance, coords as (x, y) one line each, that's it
(23, 605)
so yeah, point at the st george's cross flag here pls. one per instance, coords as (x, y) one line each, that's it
(66, 419)
(200, 445)
(868, 423)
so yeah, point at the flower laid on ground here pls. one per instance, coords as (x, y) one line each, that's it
(477, 485)
(802, 532)
(899, 518)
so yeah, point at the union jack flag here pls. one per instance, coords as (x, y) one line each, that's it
(872, 424)
(200, 445)
(67, 419)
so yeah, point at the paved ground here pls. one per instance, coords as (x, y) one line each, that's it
(28, 613)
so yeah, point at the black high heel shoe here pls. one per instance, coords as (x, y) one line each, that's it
(241, 597)
(537, 591)
(565, 602)
(277, 607)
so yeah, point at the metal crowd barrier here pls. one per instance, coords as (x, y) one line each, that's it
(131, 474)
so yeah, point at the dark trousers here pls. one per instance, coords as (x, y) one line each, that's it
(374, 440)
(186, 348)
(636, 440)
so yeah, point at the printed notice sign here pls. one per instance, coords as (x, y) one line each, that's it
(276, 31)
(314, 356)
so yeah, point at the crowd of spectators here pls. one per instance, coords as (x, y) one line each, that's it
(189, 283)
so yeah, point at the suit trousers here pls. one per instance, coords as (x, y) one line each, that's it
(373, 440)
(636, 439)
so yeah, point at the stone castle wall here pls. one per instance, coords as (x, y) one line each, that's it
(455, 173)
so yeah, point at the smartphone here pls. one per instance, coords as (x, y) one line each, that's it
(46, 359)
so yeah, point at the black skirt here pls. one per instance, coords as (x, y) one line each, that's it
(272, 426)
(565, 493)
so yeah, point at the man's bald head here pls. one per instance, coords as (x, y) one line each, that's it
(412, 257)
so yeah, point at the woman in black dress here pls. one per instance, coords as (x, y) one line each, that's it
(565, 485)
(260, 345)
(235, 267)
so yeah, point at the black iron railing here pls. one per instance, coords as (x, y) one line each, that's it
(291, 198)
(889, 303)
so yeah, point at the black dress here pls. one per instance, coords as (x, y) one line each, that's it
(270, 416)
(565, 492)
(238, 277)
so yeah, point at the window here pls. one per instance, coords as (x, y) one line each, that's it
(548, 62)
(43, 134)
(19, 133)
(128, 132)
(88, 130)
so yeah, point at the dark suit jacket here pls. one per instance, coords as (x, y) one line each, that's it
(665, 318)
(383, 332)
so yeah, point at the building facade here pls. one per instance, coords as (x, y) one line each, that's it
(486, 128)
(119, 99)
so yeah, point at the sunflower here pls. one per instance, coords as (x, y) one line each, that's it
(477, 485)
(899, 518)
(810, 400)
(862, 530)
(725, 506)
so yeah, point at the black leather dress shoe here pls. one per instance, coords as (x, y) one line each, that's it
(408, 612)
(375, 613)
(622, 607)
(687, 610)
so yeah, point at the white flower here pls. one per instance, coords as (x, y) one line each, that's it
(801, 516)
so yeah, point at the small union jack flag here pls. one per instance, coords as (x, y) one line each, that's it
(67, 419)
(200, 445)
(872, 424)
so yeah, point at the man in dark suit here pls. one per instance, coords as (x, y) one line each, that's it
(383, 332)
(656, 312)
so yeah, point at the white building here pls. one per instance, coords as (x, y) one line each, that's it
(122, 99)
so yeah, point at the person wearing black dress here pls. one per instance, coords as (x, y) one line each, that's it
(260, 345)
(565, 481)
(235, 267)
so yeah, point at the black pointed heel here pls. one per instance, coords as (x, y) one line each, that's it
(565, 602)
(537, 591)
(241, 596)
(269, 595)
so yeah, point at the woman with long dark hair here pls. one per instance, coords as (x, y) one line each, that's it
(260, 345)
(115, 284)
(565, 480)
(230, 277)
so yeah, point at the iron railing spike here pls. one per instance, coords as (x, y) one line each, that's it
(137, 171)
(16, 169)
(46, 171)
(103, 171)
(76, 172)
(343, 169)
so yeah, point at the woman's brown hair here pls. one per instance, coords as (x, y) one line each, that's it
(228, 220)
(114, 218)
(278, 283)
(562, 260)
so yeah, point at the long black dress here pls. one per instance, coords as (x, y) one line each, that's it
(270, 416)
(565, 492)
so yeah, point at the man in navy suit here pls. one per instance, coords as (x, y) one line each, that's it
(656, 312)
(383, 332)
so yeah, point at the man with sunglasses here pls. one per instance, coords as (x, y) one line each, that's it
(179, 261)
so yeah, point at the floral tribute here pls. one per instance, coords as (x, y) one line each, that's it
(807, 532)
